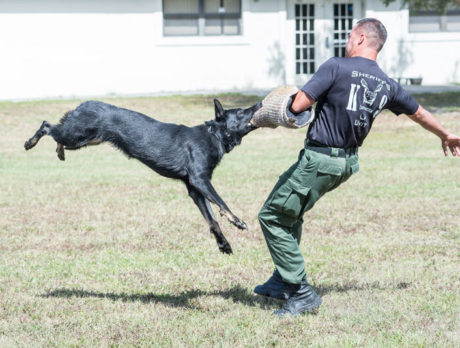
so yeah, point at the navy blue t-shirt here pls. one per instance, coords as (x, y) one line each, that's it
(350, 93)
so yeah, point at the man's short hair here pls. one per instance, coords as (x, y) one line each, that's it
(375, 31)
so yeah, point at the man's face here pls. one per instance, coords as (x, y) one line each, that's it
(353, 41)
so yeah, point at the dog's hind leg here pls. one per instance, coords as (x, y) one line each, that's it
(206, 211)
(43, 130)
(60, 152)
(205, 187)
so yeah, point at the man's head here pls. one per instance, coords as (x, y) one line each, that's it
(368, 34)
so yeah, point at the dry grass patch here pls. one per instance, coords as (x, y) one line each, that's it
(101, 251)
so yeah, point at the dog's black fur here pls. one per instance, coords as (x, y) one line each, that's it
(189, 154)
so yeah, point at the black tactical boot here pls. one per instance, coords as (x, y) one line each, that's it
(305, 299)
(275, 287)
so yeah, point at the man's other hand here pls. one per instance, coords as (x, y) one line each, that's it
(452, 142)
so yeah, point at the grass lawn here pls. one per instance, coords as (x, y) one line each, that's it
(101, 251)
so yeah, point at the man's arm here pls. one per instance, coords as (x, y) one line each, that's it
(302, 102)
(319, 83)
(430, 123)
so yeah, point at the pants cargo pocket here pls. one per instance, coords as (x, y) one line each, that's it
(331, 173)
(289, 201)
(295, 200)
(285, 203)
(353, 168)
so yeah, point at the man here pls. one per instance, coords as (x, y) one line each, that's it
(350, 92)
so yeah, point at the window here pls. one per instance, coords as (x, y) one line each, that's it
(432, 21)
(305, 38)
(343, 23)
(201, 17)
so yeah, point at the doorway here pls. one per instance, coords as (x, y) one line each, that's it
(321, 30)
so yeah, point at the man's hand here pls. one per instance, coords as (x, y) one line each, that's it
(429, 122)
(452, 142)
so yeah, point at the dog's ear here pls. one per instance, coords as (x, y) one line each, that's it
(219, 110)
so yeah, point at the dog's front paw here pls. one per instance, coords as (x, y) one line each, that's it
(225, 248)
(240, 224)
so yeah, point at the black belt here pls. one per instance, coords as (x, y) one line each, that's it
(330, 151)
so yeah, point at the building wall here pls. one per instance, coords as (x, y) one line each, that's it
(83, 48)
(51, 48)
(433, 56)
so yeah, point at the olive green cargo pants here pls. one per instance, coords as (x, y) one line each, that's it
(296, 191)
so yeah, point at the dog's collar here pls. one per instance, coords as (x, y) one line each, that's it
(224, 138)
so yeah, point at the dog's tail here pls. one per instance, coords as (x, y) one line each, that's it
(44, 129)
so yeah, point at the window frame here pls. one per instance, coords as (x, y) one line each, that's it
(442, 19)
(201, 18)
(343, 17)
(305, 48)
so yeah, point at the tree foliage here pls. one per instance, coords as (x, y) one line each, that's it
(436, 5)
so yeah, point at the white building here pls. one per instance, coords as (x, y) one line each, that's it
(52, 48)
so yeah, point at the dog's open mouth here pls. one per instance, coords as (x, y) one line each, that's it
(256, 109)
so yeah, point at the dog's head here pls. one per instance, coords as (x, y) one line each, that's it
(236, 121)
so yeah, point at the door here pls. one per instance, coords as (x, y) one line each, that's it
(320, 30)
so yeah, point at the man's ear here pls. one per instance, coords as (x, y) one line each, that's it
(219, 110)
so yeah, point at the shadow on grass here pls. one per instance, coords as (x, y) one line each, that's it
(344, 288)
(237, 294)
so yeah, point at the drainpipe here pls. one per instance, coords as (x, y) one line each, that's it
(363, 8)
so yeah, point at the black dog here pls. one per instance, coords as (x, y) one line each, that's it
(189, 154)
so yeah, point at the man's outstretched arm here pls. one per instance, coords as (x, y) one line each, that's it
(429, 122)
(302, 102)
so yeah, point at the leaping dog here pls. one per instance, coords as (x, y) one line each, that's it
(189, 154)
